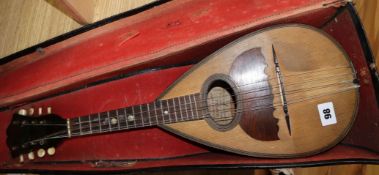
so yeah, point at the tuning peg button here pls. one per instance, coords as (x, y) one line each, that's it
(39, 111)
(21, 159)
(22, 112)
(31, 111)
(31, 156)
(51, 151)
(48, 110)
(41, 152)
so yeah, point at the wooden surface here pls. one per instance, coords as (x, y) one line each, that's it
(25, 23)
(304, 93)
(81, 11)
(368, 11)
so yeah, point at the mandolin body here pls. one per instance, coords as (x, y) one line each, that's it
(314, 72)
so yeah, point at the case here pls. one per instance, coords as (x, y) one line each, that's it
(133, 57)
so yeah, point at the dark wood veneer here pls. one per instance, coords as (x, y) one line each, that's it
(259, 124)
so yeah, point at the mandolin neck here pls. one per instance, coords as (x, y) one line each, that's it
(178, 109)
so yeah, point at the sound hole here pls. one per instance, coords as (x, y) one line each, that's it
(219, 94)
(221, 106)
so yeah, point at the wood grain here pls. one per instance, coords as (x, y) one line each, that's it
(25, 23)
(81, 11)
(368, 11)
(259, 124)
(20, 29)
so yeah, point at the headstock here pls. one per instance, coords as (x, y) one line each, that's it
(35, 136)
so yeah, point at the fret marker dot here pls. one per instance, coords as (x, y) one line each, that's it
(114, 121)
(130, 118)
(165, 112)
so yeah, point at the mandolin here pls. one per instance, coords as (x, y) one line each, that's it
(283, 91)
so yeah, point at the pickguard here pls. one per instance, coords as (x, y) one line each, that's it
(248, 73)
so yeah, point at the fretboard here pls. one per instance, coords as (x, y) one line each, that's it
(179, 109)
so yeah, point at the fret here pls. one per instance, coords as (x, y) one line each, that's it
(168, 111)
(184, 105)
(162, 109)
(127, 112)
(68, 123)
(113, 120)
(195, 104)
(165, 112)
(74, 124)
(138, 115)
(132, 117)
(94, 123)
(178, 108)
(104, 124)
(148, 113)
(152, 113)
(90, 123)
(182, 108)
(171, 108)
(85, 129)
(187, 98)
(109, 121)
(80, 126)
(99, 118)
(118, 120)
(159, 112)
(122, 118)
(155, 112)
(143, 116)
(200, 105)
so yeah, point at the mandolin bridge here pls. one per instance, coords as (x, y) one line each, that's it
(281, 90)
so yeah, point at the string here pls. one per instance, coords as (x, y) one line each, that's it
(270, 105)
(192, 103)
(203, 107)
(247, 92)
(229, 95)
(62, 136)
(256, 108)
(111, 128)
(241, 94)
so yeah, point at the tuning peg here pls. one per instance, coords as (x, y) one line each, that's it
(49, 110)
(51, 151)
(31, 156)
(22, 112)
(21, 158)
(31, 111)
(41, 152)
(39, 111)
